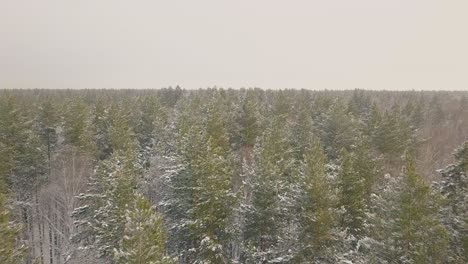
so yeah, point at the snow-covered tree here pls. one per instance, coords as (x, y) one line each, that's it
(76, 124)
(352, 197)
(144, 236)
(317, 207)
(11, 250)
(271, 228)
(337, 129)
(213, 203)
(101, 218)
(454, 186)
(420, 237)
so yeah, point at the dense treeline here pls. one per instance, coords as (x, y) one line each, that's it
(233, 176)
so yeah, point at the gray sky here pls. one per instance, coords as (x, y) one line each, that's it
(315, 44)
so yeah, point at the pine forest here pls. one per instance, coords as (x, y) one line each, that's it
(231, 176)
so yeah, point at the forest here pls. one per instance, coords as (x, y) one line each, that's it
(226, 176)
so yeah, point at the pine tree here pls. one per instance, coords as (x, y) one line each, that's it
(317, 203)
(200, 200)
(373, 122)
(454, 186)
(352, 195)
(177, 203)
(394, 135)
(250, 126)
(121, 135)
(356, 178)
(76, 125)
(47, 123)
(213, 203)
(152, 117)
(100, 130)
(420, 237)
(213, 196)
(366, 166)
(100, 221)
(269, 235)
(11, 251)
(301, 130)
(23, 161)
(360, 104)
(178, 175)
(13, 135)
(337, 129)
(144, 237)
(387, 138)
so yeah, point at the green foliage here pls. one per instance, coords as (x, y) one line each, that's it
(100, 131)
(360, 104)
(238, 175)
(151, 118)
(421, 238)
(338, 129)
(352, 195)
(22, 161)
(11, 251)
(121, 135)
(144, 236)
(317, 216)
(47, 122)
(394, 135)
(12, 131)
(101, 218)
(454, 186)
(76, 125)
(213, 202)
(250, 126)
(272, 196)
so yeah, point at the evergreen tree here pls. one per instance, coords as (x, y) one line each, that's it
(352, 195)
(250, 127)
(301, 131)
(394, 135)
(178, 175)
(454, 186)
(76, 125)
(12, 137)
(213, 196)
(387, 138)
(100, 221)
(199, 174)
(360, 104)
(373, 122)
(337, 129)
(152, 117)
(23, 163)
(317, 203)
(11, 251)
(213, 204)
(100, 130)
(121, 135)
(268, 234)
(177, 203)
(366, 166)
(420, 237)
(47, 123)
(144, 237)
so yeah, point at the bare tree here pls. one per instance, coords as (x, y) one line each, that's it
(56, 201)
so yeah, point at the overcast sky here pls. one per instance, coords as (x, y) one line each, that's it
(314, 44)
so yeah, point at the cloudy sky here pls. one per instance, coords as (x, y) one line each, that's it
(314, 44)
